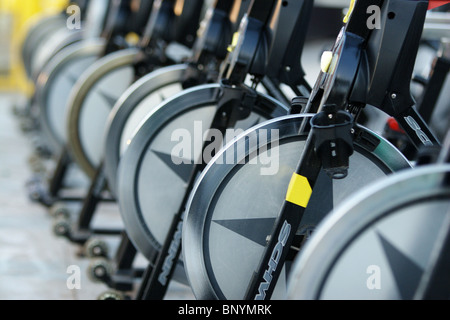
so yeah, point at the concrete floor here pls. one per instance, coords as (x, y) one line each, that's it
(34, 263)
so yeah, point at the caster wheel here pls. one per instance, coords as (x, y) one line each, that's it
(27, 125)
(37, 193)
(43, 151)
(59, 210)
(16, 110)
(61, 227)
(37, 167)
(99, 270)
(111, 295)
(33, 159)
(95, 248)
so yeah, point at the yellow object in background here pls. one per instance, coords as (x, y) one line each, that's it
(16, 17)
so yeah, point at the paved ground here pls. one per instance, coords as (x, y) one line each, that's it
(34, 264)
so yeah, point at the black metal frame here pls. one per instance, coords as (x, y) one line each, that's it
(354, 79)
(426, 103)
(235, 103)
(208, 52)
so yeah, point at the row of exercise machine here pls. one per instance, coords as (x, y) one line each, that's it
(233, 174)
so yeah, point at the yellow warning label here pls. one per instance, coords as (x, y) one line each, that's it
(299, 191)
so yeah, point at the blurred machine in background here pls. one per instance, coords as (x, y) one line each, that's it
(15, 20)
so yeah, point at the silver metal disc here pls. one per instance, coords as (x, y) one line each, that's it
(153, 174)
(131, 108)
(90, 103)
(55, 84)
(234, 205)
(41, 27)
(377, 244)
(53, 44)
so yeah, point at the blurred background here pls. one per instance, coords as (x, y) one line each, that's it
(16, 17)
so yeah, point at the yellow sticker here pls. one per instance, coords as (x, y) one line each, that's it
(299, 191)
(350, 11)
(132, 38)
(234, 43)
(325, 61)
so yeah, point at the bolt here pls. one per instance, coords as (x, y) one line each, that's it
(97, 250)
(99, 271)
(394, 96)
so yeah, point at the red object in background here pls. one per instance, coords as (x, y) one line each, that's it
(436, 3)
(394, 126)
